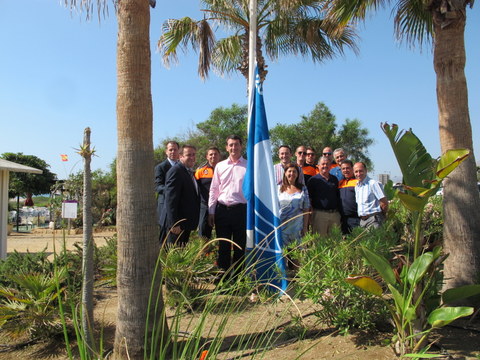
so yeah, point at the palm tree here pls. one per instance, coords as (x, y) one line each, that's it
(138, 246)
(443, 22)
(283, 27)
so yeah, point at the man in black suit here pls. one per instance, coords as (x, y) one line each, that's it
(182, 198)
(161, 170)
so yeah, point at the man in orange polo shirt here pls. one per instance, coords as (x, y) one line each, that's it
(204, 175)
(348, 204)
(310, 169)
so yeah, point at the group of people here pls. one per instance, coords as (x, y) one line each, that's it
(317, 196)
(210, 197)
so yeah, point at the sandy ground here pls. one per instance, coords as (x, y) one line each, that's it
(45, 239)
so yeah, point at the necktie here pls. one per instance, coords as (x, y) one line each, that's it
(190, 171)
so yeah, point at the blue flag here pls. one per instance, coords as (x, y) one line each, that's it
(264, 237)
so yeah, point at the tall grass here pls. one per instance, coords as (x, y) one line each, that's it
(206, 309)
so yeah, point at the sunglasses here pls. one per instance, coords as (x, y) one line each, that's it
(301, 152)
(327, 153)
(310, 154)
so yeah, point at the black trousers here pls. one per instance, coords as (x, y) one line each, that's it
(349, 222)
(231, 223)
(180, 239)
(204, 230)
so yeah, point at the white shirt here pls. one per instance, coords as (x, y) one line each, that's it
(368, 194)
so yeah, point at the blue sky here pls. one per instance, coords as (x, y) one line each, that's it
(58, 76)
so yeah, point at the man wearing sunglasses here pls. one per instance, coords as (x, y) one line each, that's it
(310, 168)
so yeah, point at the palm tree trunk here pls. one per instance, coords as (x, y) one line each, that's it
(138, 246)
(87, 256)
(243, 68)
(461, 196)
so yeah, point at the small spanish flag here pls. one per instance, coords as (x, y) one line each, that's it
(64, 157)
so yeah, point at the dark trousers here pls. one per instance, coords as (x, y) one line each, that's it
(231, 223)
(162, 235)
(349, 222)
(180, 239)
(204, 230)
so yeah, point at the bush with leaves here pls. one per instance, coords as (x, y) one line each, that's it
(30, 308)
(401, 221)
(324, 264)
(23, 262)
(188, 272)
(106, 260)
(28, 288)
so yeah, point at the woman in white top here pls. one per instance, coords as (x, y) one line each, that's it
(294, 201)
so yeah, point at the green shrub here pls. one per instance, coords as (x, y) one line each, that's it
(106, 261)
(324, 264)
(25, 263)
(188, 272)
(30, 308)
(401, 222)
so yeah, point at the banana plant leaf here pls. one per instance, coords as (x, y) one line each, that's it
(365, 283)
(413, 203)
(415, 162)
(445, 315)
(419, 268)
(450, 160)
(380, 264)
(460, 293)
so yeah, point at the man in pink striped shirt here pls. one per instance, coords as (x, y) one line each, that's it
(227, 207)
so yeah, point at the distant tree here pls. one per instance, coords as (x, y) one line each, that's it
(27, 184)
(319, 129)
(104, 199)
(221, 123)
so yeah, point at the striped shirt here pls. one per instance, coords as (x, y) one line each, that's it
(279, 171)
(368, 194)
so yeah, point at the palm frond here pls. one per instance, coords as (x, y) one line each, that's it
(345, 11)
(175, 33)
(227, 55)
(206, 38)
(321, 39)
(413, 22)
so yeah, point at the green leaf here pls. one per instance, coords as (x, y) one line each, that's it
(389, 191)
(445, 315)
(398, 298)
(419, 267)
(417, 190)
(365, 283)
(380, 264)
(437, 251)
(410, 313)
(425, 356)
(450, 160)
(459, 293)
(413, 203)
(413, 159)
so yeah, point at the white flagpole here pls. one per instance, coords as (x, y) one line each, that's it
(252, 48)
(252, 36)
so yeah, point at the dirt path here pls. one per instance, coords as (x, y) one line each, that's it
(44, 239)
